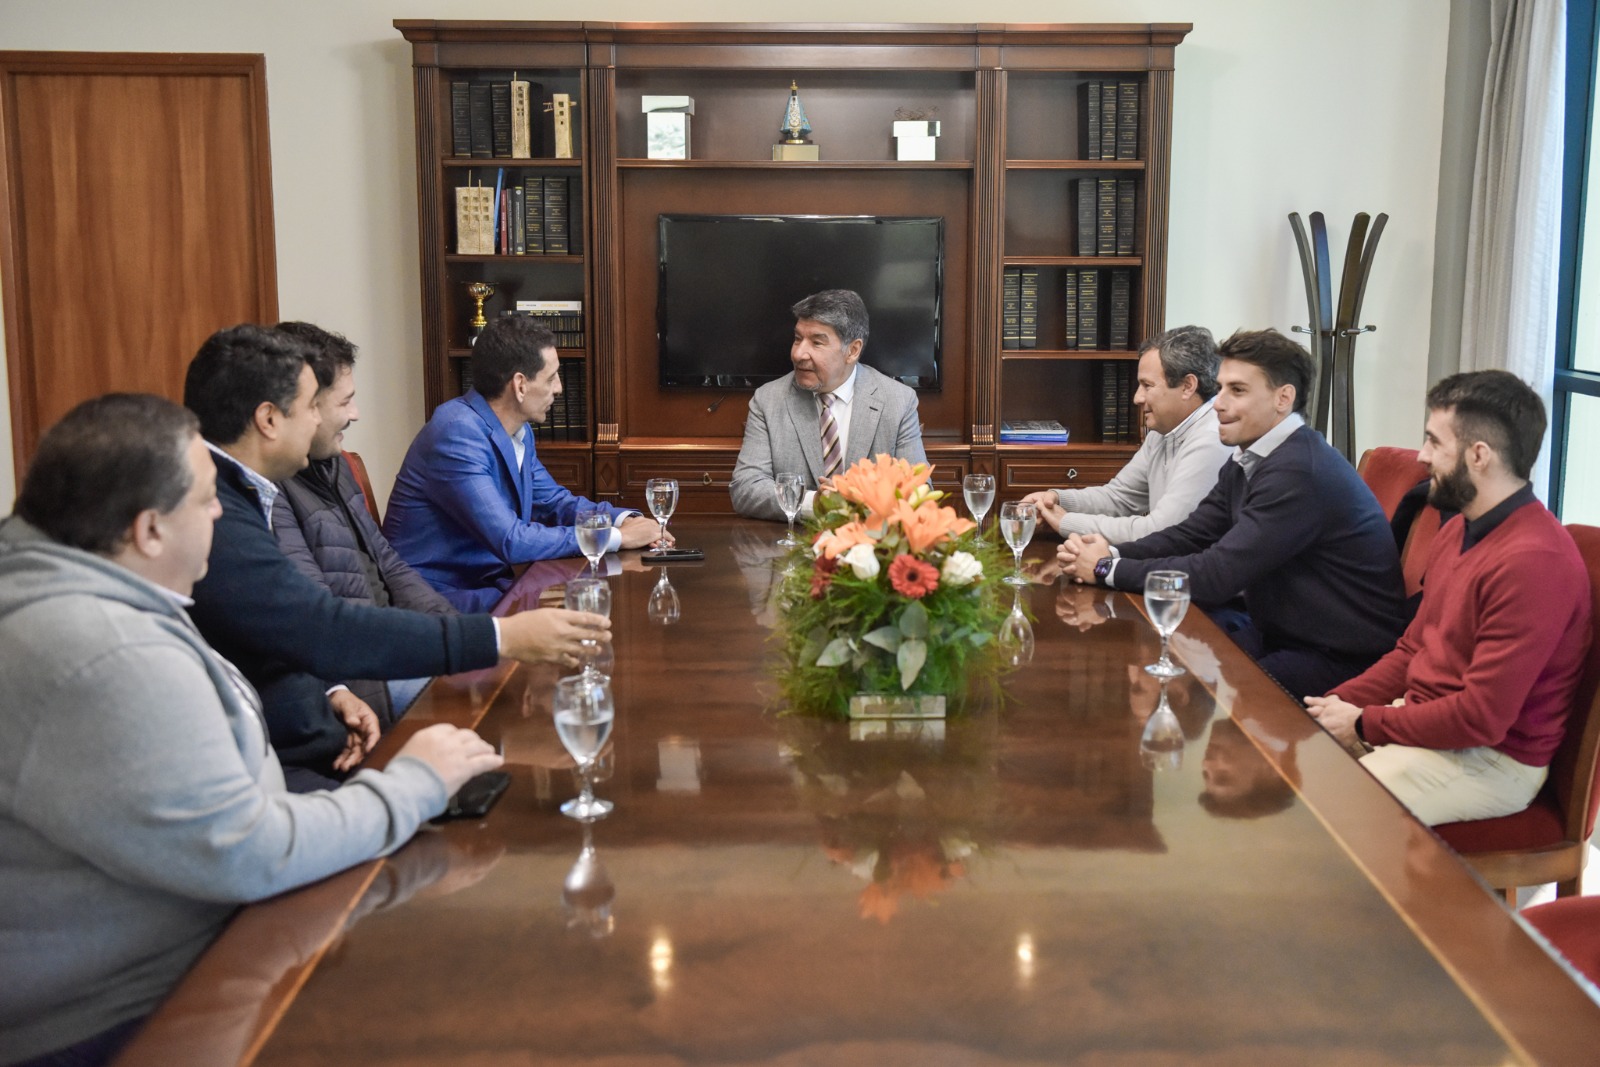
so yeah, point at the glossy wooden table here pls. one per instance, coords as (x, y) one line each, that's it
(1022, 887)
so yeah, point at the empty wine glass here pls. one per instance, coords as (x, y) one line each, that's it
(588, 891)
(663, 607)
(1166, 600)
(594, 535)
(594, 596)
(584, 713)
(1016, 634)
(979, 491)
(1161, 744)
(662, 494)
(791, 490)
(1017, 520)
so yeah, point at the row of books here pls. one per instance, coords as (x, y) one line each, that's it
(1106, 216)
(1098, 308)
(568, 418)
(1019, 307)
(1110, 117)
(1116, 387)
(528, 216)
(1033, 432)
(563, 317)
(498, 119)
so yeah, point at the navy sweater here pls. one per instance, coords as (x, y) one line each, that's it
(1303, 539)
(286, 633)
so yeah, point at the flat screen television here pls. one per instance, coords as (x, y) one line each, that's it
(727, 283)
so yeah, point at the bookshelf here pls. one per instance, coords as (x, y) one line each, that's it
(1012, 149)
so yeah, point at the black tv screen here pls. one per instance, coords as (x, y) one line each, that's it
(728, 281)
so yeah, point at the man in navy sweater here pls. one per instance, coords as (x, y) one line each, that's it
(1290, 527)
(253, 389)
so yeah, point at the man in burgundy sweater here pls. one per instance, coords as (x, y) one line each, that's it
(1461, 720)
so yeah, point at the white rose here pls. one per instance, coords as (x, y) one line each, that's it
(862, 561)
(960, 568)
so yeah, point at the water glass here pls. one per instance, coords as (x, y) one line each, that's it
(1161, 743)
(979, 491)
(1017, 520)
(594, 535)
(1166, 600)
(791, 490)
(663, 608)
(594, 596)
(662, 495)
(584, 713)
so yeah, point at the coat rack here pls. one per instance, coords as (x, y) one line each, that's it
(1333, 337)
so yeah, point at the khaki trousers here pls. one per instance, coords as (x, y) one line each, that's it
(1453, 786)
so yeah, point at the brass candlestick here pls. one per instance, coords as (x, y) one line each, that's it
(480, 291)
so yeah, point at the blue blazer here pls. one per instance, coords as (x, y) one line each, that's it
(462, 512)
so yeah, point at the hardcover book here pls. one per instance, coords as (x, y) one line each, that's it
(1070, 311)
(1089, 308)
(556, 241)
(1108, 120)
(1034, 431)
(460, 119)
(1011, 308)
(1127, 205)
(1121, 308)
(1088, 194)
(1106, 216)
(480, 110)
(500, 105)
(1127, 120)
(1029, 321)
(533, 213)
(1090, 111)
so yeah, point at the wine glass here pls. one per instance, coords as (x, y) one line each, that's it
(1016, 634)
(791, 489)
(1017, 520)
(662, 494)
(1166, 599)
(979, 491)
(594, 596)
(588, 891)
(584, 713)
(663, 606)
(1161, 744)
(594, 535)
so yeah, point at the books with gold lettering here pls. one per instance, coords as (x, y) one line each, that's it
(1127, 135)
(460, 119)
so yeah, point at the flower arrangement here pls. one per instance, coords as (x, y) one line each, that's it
(893, 595)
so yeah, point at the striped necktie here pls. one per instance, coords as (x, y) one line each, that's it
(832, 461)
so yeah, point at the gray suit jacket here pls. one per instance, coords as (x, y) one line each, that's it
(782, 433)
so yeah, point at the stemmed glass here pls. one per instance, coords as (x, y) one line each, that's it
(594, 536)
(588, 891)
(791, 489)
(1161, 744)
(1017, 520)
(662, 494)
(584, 713)
(979, 491)
(663, 605)
(1166, 600)
(594, 596)
(1016, 634)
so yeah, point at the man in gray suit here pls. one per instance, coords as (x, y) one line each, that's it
(826, 414)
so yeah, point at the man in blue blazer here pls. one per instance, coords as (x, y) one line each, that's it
(826, 414)
(472, 498)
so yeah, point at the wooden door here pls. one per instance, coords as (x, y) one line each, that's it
(138, 220)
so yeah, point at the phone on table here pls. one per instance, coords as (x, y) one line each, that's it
(672, 555)
(473, 800)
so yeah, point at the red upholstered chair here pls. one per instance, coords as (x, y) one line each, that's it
(1548, 841)
(1389, 473)
(1573, 927)
(360, 470)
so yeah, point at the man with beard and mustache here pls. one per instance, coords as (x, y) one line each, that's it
(1467, 712)
(322, 523)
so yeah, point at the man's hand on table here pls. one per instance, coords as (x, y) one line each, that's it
(1078, 555)
(361, 728)
(1050, 510)
(1339, 719)
(639, 531)
(551, 635)
(456, 755)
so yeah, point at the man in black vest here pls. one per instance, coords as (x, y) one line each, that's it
(253, 389)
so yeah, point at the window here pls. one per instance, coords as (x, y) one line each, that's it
(1575, 411)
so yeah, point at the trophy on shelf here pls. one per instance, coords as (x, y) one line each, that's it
(479, 291)
(794, 145)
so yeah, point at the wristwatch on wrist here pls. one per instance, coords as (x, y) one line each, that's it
(1102, 569)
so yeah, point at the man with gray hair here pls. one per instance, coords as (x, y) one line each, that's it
(1177, 464)
(824, 415)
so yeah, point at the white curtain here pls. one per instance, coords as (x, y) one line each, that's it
(1514, 237)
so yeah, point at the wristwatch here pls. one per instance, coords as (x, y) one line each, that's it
(1102, 569)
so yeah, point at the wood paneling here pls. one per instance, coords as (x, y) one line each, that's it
(138, 220)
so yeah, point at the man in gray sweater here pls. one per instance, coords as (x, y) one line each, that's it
(140, 802)
(1177, 464)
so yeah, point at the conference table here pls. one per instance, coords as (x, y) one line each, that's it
(1043, 878)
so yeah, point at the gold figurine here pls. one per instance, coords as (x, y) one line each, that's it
(480, 291)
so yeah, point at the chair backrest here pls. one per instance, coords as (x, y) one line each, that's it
(359, 469)
(1572, 771)
(1419, 539)
(1389, 472)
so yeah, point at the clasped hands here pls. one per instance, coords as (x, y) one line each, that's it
(1078, 555)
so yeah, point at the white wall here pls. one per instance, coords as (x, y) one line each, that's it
(1331, 105)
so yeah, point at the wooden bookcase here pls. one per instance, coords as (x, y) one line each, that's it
(1011, 149)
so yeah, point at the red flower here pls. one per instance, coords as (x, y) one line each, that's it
(913, 577)
(822, 576)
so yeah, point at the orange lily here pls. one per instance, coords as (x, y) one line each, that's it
(835, 543)
(929, 524)
(878, 484)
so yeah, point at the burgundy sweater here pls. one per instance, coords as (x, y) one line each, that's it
(1497, 647)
